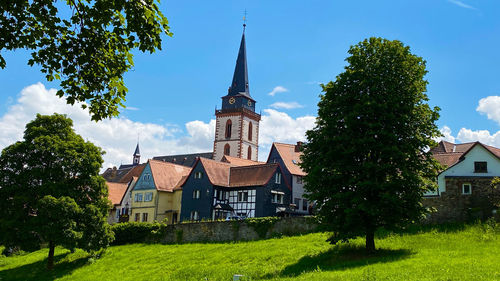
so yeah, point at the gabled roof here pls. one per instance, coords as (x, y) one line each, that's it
(217, 172)
(449, 154)
(251, 175)
(239, 161)
(187, 160)
(166, 175)
(291, 157)
(134, 172)
(116, 191)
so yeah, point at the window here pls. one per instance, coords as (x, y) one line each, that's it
(148, 197)
(118, 213)
(227, 149)
(242, 196)
(146, 177)
(466, 189)
(198, 175)
(221, 195)
(229, 126)
(144, 216)
(304, 205)
(277, 197)
(196, 194)
(299, 179)
(296, 201)
(250, 131)
(480, 167)
(137, 217)
(278, 178)
(249, 153)
(138, 197)
(194, 215)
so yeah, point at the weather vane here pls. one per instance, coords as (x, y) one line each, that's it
(245, 20)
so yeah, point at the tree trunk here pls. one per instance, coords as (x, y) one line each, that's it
(50, 259)
(370, 241)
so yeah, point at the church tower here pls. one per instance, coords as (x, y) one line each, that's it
(137, 156)
(237, 124)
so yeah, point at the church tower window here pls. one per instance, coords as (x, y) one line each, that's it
(250, 131)
(249, 154)
(227, 149)
(229, 126)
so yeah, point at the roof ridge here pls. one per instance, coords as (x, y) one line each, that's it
(255, 166)
(168, 163)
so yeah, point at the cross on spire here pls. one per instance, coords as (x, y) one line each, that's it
(244, 20)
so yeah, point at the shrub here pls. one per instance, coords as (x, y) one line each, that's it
(261, 225)
(135, 232)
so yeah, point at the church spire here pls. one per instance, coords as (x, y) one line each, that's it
(137, 155)
(240, 76)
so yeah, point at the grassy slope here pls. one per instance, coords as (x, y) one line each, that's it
(472, 253)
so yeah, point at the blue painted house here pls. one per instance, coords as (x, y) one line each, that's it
(217, 190)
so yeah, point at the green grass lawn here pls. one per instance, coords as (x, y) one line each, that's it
(462, 253)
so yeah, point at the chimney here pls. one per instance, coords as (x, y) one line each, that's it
(298, 146)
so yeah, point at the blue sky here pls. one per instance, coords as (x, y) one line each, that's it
(293, 45)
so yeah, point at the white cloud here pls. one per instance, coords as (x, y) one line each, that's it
(446, 131)
(286, 105)
(117, 136)
(491, 107)
(462, 4)
(278, 89)
(278, 126)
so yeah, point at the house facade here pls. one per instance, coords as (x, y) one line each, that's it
(288, 157)
(464, 190)
(154, 196)
(217, 190)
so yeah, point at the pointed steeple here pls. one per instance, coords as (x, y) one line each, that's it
(240, 77)
(137, 156)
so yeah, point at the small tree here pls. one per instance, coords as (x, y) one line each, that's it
(367, 159)
(51, 190)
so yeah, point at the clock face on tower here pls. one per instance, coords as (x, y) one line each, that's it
(249, 103)
(231, 100)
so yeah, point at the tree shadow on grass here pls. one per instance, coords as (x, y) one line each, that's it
(38, 270)
(341, 257)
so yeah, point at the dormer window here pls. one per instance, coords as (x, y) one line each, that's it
(481, 167)
(198, 175)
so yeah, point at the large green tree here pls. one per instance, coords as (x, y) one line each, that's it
(51, 191)
(86, 44)
(367, 158)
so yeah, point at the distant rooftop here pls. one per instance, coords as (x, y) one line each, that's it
(187, 160)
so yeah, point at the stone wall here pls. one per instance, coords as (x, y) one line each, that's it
(453, 206)
(232, 230)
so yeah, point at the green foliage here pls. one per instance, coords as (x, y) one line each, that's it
(420, 255)
(132, 232)
(51, 189)
(85, 44)
(261, 225)
(367, 158)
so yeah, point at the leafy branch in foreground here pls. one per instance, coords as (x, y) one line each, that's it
(85, 44)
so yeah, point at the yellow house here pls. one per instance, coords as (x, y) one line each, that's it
(156, 195)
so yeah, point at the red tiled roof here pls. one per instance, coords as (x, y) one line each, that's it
(290, 157)
(134, 172)
(116, 191)
(239, 161)
(166, 175)
(217, 172)
(251, 175)
(449, 154)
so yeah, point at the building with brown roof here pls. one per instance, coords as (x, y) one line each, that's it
(288, 157)
(218, 190)
(464, 183)
(155, 196)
